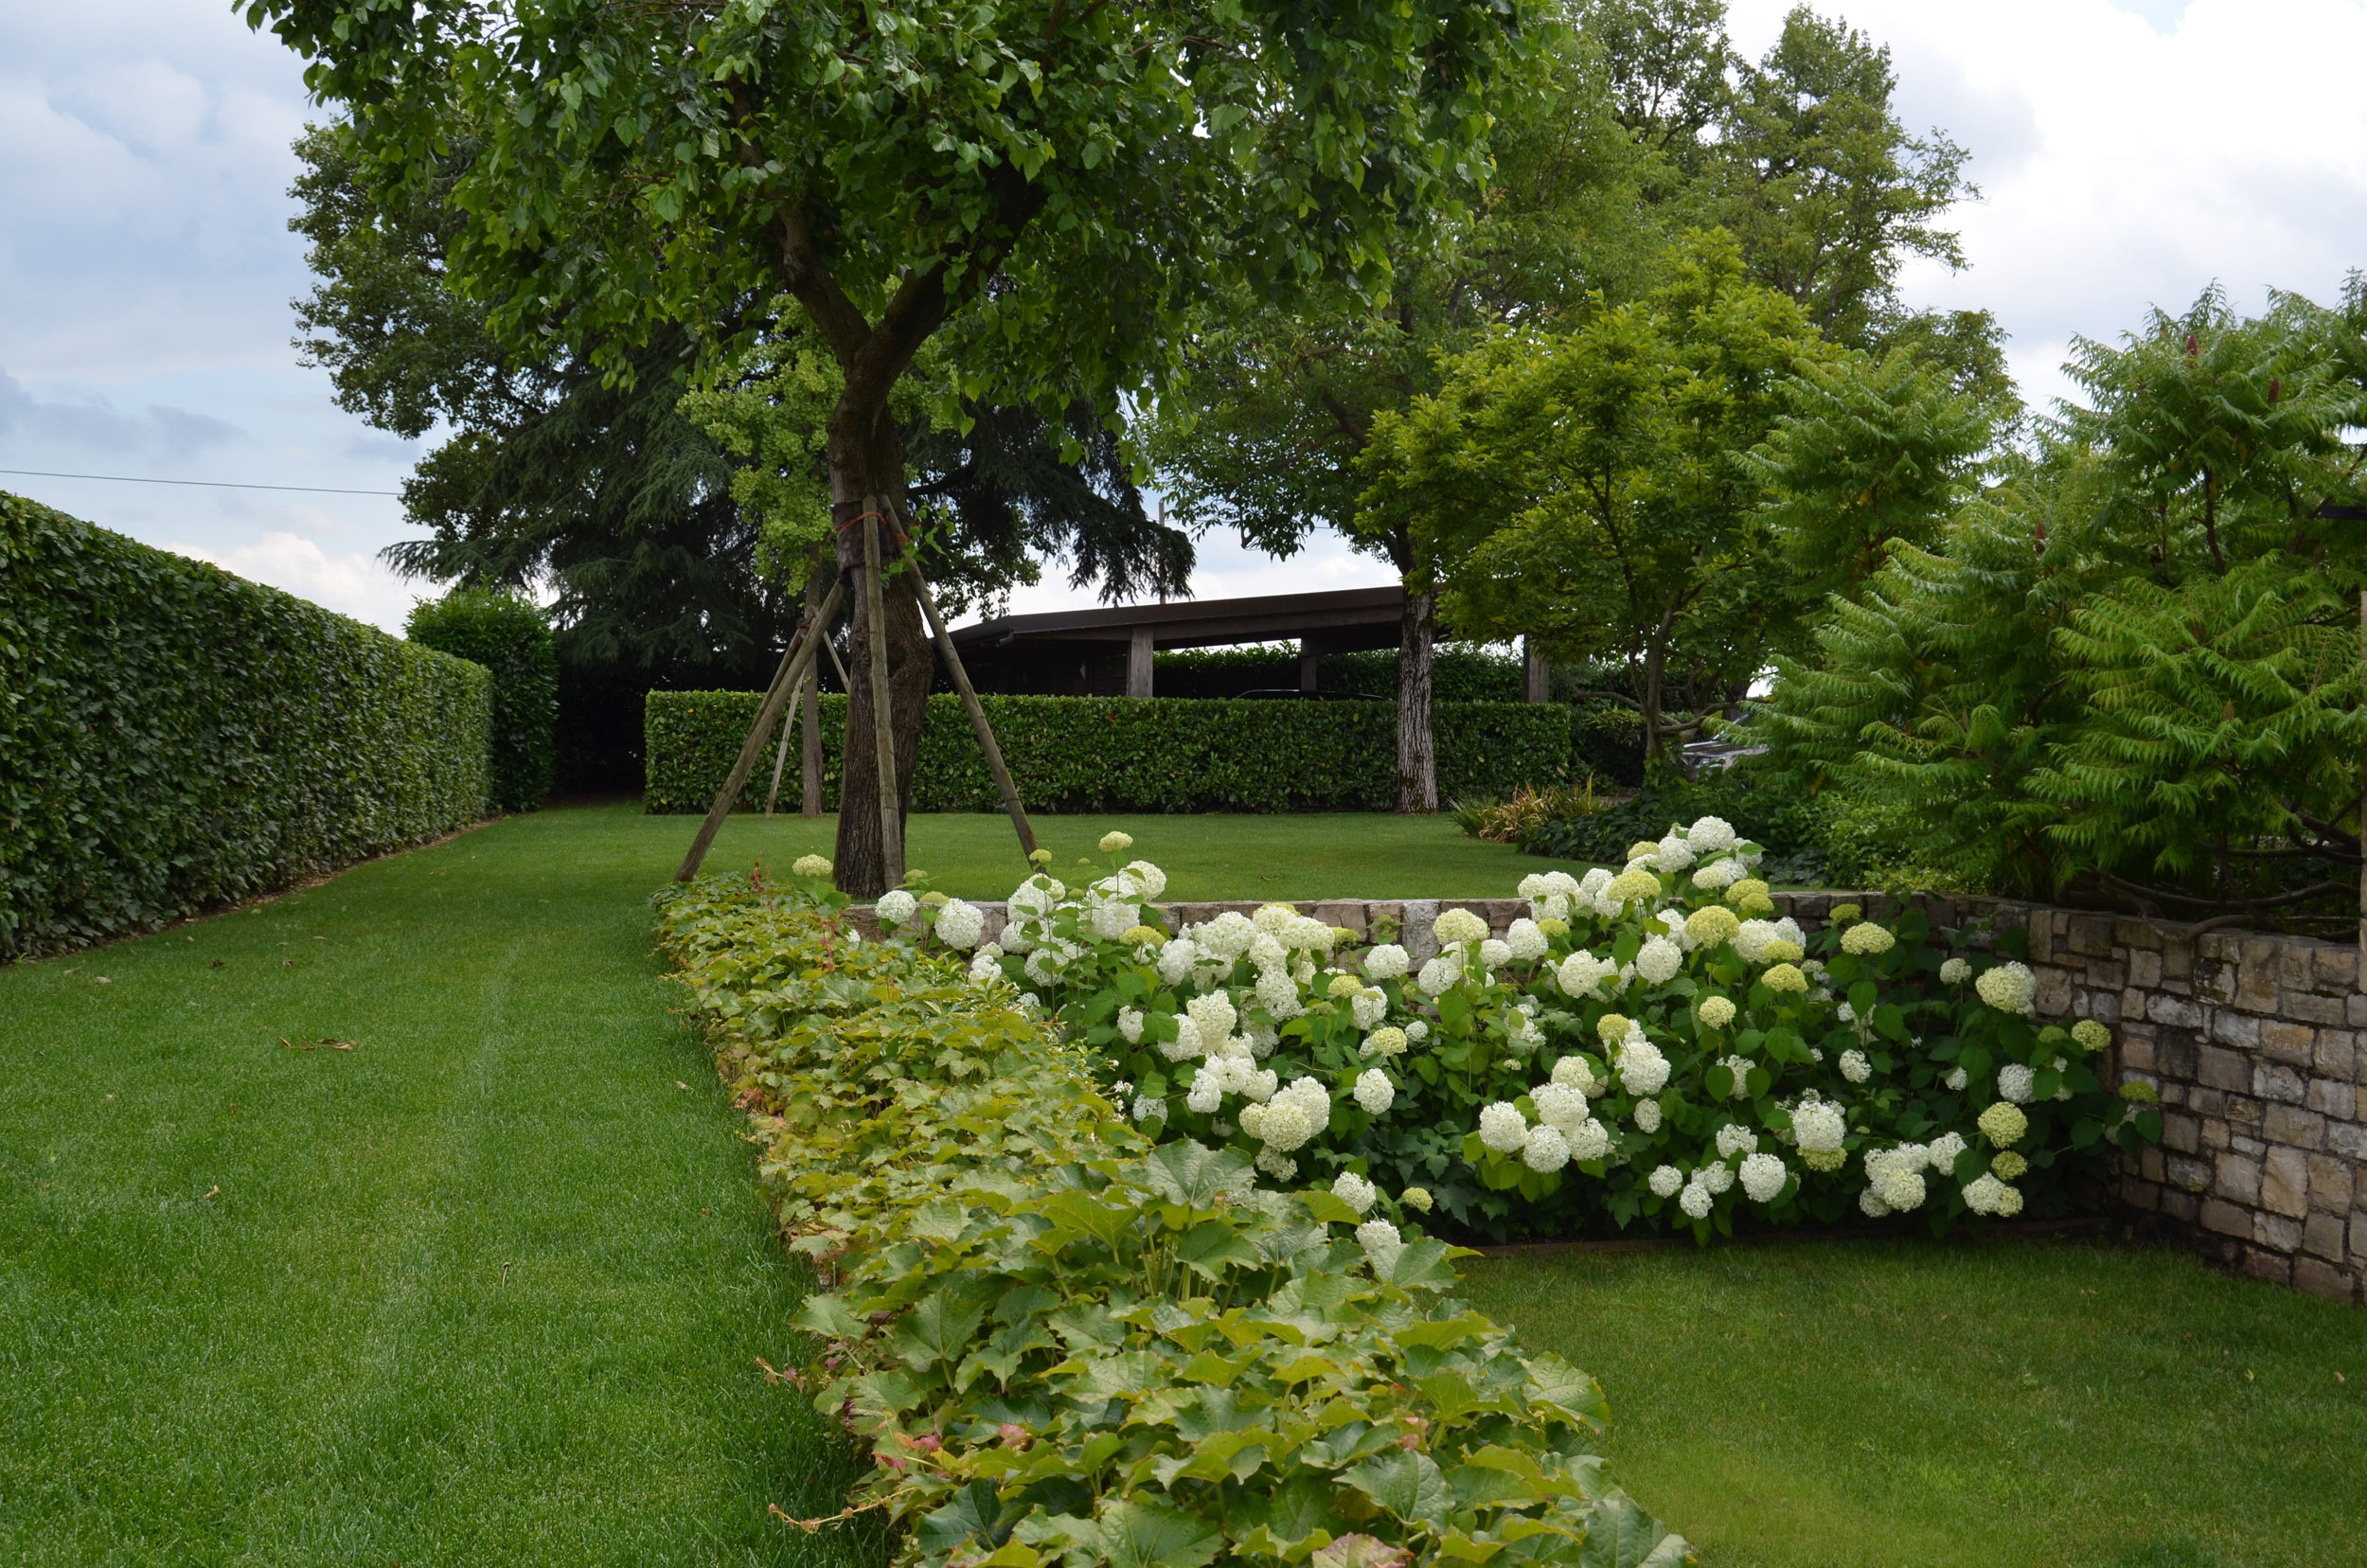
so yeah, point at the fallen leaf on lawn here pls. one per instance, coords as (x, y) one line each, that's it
(100, 980)
(680, 1084)
(213, 1192)
(216, 964)
(344, 1044)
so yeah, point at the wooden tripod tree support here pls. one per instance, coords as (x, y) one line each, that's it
(781, 762)
(791, 678)
(795, 660)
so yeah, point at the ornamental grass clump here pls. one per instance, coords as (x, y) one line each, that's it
(1061, 1342)
(1628, 1024)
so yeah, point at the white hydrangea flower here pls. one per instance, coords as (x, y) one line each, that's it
(1207, 1093)
(1870, 1203)
(1271, 919)
(1751, 940)
(1573, 1071)
(1558, 1105)
(1817, 1126)
(2017, 1081)
(1353, 1190)
(2009, 987)
(1144, 879)
(1148, 1109)
(1659, 960)
(1226, 937)
(1278, 994)
(1531, 887)
(1385, 1041)
(1552, 906)
(1280, 1166)
(1379, 1239)
(1732, 1140)
(1897, 1176)
(1130, 1025)
(1417, 1031)
(1718, 875)
(1110, 920)
(1942, 1152)
(960, 924)
(1740, 1067)
(1581, 974)
(1374, 1091)
(1641, 1067)
(1281, 1126)
(1260, 1084)
(1312, 1099)
(1186, 1043)
(1957, 1080)
(1647, 1115)
(1985, 1194)
(1696, 1199)
(1545, 1150)
(1711, 835)
(1440, 973)
(1855, 1067)
(1674, 855)
(810, 866)
(1763, 1176)
(1262, 1040)
(1665, 1181)
(1502, 1128)
(1306, 933)
(1266, 952)
(1590, 1140)
(1369, 1007)
(896, 907)
(1176, 960)
(1037, 895)
(1458, 925)
(1494, 954)
(984, 968)
(1386, 962)
(1215, 1015)
(1718, 1176)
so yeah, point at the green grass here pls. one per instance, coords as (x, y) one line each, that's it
(488, 1288)
(2013, 1402)
(1206, 858)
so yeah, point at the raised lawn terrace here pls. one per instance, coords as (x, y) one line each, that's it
(396, 1220)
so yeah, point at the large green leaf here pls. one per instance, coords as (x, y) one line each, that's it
(937, 1331)
(1407, 1483)
(1149, 1534)
(1193, 1174)
(1620, 1535)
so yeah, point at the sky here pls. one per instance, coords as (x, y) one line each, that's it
(2128, 155)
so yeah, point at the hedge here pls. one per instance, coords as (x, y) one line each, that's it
(1058, 1344)
(172, 737)
(513, 639)
(1107, 754)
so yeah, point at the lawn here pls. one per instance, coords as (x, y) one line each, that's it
(1825, 1405)
(489, 1287)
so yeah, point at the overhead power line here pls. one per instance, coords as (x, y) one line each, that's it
(206, 484)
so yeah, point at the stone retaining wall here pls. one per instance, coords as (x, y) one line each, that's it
(2253, 1043)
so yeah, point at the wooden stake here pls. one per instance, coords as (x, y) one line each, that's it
(795, 662)
(780, 759)
(882, 729)
(975, 709)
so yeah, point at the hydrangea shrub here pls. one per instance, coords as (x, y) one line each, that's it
(1644, 1049)
(1060, 1342)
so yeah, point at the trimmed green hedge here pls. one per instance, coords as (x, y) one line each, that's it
(511, 638)
(1110, 754)
(172, 737)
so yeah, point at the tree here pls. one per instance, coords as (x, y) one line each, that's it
(1055, 180)
(510, 637)
(2129, 674)
(1592, 488)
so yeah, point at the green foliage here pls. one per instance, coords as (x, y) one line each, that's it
(1113, 754)
(172, 737)
(1062, 1344)
(510, 638)
(2129, 674)
(1458, 674)
(1588, 1072)
(1620, 521)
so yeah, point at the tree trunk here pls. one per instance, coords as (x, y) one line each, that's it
(866, 470)
(1655, 662)
(810, 742)
(1417, 758)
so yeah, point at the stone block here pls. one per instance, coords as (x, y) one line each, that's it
(2091, 936)
(2322, 1279)
(1420, 943)
(2241, 1031)
(2358, 1235)
(2137, 1054)
(2285, 1185)
(2184, 1208)
(2256, 990)
(2294, 969)
(2294, 1127)
(2219, 1068)
(2238, 1178)
(2355, 1011)
(2261, 1264)
(2295, 1045)
(2337, 967)
(2055, 992)
(2209, 1102)
(2249, 1148)
(2177, 959)
(2151, 1165)
(2349, 1140)
(1500, 913)
(2107, 974)
(2331, 1097)
(2105, 1006)
(2180, 1131)
(2176, 1011)
(2187, 1175)
(2330, 1183)
(2243, 1117)
(2144, 969)
(2141, 1195)
(2274, 1082)
(2337, 1053)
(2313, 1007)
(2215, 1132)
(1343, 914)
(2180, 1055)
(2322, 1234)
(2225, 1219)
(2276, 1233)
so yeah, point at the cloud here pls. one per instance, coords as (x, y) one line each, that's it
(356, 584)
(33, 428)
